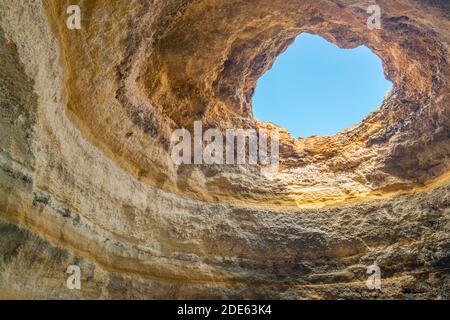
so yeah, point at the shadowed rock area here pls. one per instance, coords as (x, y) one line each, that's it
(87, 178)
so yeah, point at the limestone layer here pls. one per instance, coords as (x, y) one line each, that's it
(86, 176)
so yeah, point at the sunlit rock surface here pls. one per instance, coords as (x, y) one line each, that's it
(86, 176)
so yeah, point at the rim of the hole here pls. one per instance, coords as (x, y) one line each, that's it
(348, 128)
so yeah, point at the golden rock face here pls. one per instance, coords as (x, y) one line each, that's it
(86, 176)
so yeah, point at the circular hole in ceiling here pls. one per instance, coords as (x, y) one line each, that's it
(317, 88)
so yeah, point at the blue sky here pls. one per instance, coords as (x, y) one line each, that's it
(316, 88)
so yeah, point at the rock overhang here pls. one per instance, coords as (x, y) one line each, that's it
(96, 179)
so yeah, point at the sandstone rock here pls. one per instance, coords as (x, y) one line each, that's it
(86, 176)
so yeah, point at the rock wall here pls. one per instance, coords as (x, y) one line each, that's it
(86, 176)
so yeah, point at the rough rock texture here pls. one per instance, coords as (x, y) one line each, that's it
(86, 176)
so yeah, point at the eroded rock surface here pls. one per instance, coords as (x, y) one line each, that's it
(86, 176)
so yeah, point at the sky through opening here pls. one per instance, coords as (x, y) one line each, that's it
(316, 88)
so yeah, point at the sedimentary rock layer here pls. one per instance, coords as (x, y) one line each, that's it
(86, 176)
